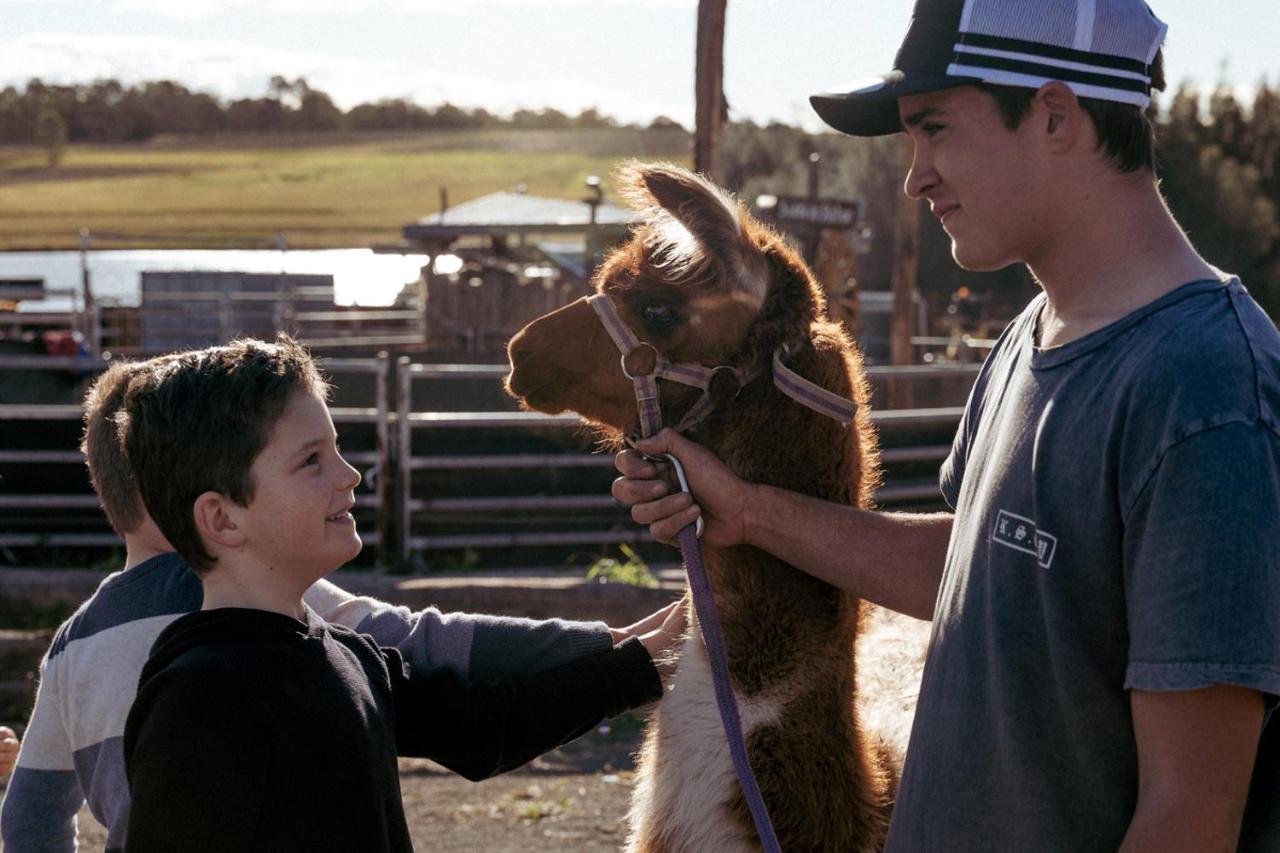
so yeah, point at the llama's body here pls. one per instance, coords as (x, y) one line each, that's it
(686, 765)
(789, 637)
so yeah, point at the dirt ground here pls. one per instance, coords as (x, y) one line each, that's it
(575, 799)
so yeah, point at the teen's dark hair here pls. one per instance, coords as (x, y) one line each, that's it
(1124, 132)
(195, 423)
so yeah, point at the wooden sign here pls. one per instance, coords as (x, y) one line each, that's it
(817, 213)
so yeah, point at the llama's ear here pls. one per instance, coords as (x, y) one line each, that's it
(710, 214)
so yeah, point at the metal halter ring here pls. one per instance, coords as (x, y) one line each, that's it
(733, 372)
(623, 360)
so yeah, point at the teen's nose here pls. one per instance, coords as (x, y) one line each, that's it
(920, 177)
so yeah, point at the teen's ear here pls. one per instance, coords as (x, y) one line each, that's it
(1061, 116)
(216, 521)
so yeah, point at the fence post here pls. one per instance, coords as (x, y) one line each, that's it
(404, 453)
(384, 461)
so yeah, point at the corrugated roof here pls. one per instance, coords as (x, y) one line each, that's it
(517, 210)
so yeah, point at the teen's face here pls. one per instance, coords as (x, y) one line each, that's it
(299, 520)
(977, 175)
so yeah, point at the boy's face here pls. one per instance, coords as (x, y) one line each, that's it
(299, 519)
(978, 176)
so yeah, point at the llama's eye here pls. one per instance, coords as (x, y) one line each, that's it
(659, 316)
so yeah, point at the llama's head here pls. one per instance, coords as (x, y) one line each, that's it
(700, 281)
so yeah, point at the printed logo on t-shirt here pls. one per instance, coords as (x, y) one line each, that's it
(1021, 534)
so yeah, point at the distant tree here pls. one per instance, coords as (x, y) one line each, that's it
(317, 112)
(51, 135)
(548, 118)
(591, 117)
(665, 123)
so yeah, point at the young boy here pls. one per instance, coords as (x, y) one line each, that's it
(1106, 595)
(236, 460)
(73, 747)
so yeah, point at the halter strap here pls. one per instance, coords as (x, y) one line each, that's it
(808, 393)
(700, 376)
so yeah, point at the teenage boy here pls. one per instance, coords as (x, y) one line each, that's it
(257, 726)
(1105, 593)
(73, 748)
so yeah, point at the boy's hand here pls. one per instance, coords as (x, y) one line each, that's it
(661, 639)
(8, 750)
(722, 497)
(644, 626)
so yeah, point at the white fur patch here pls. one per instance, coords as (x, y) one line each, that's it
(673, 248)
(690, 779)
(678, 253)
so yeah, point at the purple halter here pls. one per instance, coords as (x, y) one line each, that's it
(787, 380)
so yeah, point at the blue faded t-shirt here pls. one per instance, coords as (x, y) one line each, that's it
(1117, 525)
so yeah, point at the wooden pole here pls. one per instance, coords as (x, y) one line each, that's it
(905, 272)
(710, 109)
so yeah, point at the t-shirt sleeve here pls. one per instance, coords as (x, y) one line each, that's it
(951, 475)
(198, 760)
(480, 729)
(1202, 564)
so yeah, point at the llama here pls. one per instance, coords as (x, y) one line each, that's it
(701, 282)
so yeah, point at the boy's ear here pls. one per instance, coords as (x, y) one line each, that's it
(1061, 116)
(216, 520)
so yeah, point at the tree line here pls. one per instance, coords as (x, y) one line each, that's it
(109, 111)
(1218, 160)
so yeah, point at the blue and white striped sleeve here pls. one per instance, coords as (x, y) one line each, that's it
(473, 646)
(44, 794)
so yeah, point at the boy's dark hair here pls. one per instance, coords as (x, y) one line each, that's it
(1124, 132)
(196, 422)
(104, 454)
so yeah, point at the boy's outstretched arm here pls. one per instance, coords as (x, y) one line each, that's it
(481, 729)
(474, 646)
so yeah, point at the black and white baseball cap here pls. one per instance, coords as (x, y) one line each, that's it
(1102, 49)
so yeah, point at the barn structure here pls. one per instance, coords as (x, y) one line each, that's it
(503, 259)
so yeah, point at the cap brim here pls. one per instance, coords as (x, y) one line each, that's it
(870, 107)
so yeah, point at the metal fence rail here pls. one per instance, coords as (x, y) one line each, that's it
(378, 459)
(392, 463)
(408, 422)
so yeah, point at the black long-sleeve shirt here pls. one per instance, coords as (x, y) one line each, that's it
(255, 731)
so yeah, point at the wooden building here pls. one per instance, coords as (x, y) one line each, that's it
(504, 259)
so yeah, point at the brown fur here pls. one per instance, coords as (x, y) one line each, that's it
(827, 787)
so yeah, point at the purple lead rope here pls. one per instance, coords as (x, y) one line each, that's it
(713, 638)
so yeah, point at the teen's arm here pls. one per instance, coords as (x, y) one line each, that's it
(892, 559)
(44, 794)
(481, 729)
(1202, 594)
(1196, 752)
(474, 646)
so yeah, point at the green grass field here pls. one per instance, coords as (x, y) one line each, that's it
(321, 191)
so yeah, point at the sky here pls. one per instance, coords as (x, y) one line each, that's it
(631, 59)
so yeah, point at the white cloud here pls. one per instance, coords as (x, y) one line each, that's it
(233, 70)
(194, 9)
